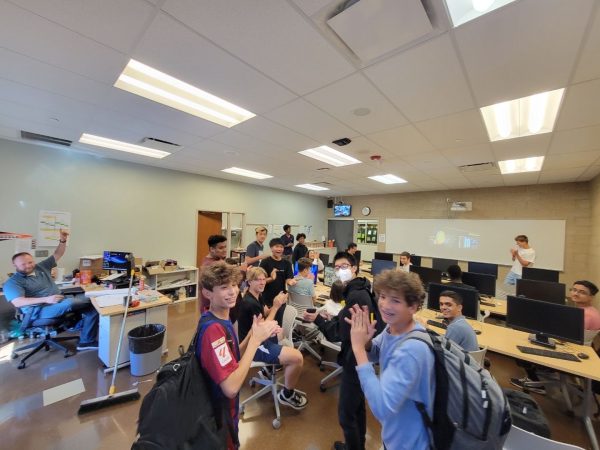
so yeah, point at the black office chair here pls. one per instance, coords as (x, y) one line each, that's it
(57, 324)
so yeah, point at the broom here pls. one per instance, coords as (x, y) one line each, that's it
(113, 398)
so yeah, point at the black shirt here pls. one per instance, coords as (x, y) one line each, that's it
(284, 272)
(250, 307)
(300, 251)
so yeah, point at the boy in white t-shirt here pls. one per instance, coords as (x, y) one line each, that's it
(523, 256)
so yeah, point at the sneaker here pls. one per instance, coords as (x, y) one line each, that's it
(297, 401)
(87, 346)
(521, 383)
(339, 445)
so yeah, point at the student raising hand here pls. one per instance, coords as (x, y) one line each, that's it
(363, 329)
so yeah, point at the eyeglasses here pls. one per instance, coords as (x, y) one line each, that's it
(342, 267)
(579, 291)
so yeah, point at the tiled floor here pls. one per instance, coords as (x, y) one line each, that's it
(26, 424)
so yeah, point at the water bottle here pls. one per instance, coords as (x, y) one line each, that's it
(315, 269)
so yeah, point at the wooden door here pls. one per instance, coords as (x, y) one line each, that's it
(209, 223)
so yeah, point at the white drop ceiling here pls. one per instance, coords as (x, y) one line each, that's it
(417, 105)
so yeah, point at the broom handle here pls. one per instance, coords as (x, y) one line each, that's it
(111, 390)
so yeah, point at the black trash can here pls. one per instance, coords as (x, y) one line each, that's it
(145, 348)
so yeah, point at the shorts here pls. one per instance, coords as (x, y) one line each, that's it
(511, 278)
(268, 353)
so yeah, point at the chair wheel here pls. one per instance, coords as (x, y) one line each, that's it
(242, 410)
(276, 424)
(321, 368)
(68, 353)
(47, 347)
(570, 413)
(252, 383)
(322, 388)
(14, 356)
(21, 366)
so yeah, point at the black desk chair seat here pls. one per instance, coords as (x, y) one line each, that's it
(57, 324)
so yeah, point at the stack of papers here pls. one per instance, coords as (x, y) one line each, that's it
(110, 300)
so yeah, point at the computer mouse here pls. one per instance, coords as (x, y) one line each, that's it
(583, 356)
(477, 331)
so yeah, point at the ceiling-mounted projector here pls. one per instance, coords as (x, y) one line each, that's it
(461, 206)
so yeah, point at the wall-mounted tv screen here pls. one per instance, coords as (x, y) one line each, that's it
(342, 210)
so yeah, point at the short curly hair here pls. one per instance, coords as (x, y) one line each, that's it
(219, 274)
(406, 283)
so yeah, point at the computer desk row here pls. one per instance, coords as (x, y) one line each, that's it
(499, 339)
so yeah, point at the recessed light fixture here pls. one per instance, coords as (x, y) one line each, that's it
(155, 85)
(462, 11)
(533, 164)
(388, 179)
(247, 173)
(99, 141)
(330, 156)
(524, 116)
(312, 187)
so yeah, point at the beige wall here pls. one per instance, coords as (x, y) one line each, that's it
(567, 201)
(594, 252)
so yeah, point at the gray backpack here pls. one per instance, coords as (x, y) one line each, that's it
(470, 410)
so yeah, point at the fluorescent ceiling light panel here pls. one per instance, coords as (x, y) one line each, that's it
(462, 11)
(388, 179)
(99, 141)
(524, 116)
(312, 187)
(330, 156)
(247, 173)
(533, 164)
(152, 84)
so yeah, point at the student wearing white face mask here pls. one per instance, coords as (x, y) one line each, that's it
(351, 406)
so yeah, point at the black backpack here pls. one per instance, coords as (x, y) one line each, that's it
(179, 411)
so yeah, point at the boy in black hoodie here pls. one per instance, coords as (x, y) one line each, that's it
(351, 406)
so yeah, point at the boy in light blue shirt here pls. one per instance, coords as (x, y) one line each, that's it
(407, 365)
(305, 284)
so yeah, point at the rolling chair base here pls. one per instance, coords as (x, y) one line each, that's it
(45, 344)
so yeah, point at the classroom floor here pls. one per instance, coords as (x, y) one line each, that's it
(25, 423)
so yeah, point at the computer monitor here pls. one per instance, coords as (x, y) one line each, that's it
(470, 298)
(531, 273)
(385, 256)
(427, 274)
(485, 284)
(329, 276)
(479, 267)
(443, 264)
(415, 260)
(378, 265)
(542, 290)
(545, 320)
(119, 261)
(324, 258)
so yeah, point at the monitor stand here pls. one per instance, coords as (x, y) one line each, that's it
(541, 339)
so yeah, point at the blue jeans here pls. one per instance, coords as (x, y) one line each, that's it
(511, 278)
(78, 304)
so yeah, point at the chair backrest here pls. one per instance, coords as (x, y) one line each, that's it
(301, 302)
(479, 355)
(287, 323)
(519, 439)
(588, 336)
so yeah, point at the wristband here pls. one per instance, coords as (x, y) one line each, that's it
(62, 241)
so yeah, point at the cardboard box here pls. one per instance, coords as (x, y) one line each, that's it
(91, 263)
(153, 270)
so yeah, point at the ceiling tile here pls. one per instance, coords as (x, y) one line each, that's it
(517, 179)
(588, 66)
(24, 32)
(561, 175)
(305, 118)
(429, 161)
(210, 69)
(425, 81)
(310, 7)
(114, 23)
(575, 140)
(474, 154)
(581, 107)
(263, 128)
(405, 140)
(521, 147)
(571, 160)
(544, 59)
(590, 173)
(247, 30)
(345, 99)
(465, 128)
(480, 180)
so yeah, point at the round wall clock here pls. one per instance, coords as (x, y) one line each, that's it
(366, 211)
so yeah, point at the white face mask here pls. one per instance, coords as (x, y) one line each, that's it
(344, 274)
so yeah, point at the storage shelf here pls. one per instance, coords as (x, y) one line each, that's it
(176, 286)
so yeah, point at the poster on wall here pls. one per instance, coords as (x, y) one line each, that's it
(49, 225)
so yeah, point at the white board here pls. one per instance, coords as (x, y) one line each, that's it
(477, 240)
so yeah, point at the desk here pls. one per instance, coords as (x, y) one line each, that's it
(498, 310)
(505, 340)
(111, 318)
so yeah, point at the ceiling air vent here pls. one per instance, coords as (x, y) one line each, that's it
(479, 167)
(43, 138)
(160, 144)
(322, 183)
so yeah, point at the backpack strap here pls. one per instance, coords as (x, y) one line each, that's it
(220, 407)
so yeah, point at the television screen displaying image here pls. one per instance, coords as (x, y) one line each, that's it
(342, 210)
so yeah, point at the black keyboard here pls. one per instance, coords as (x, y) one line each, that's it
(324, 296)
(76, 290)
(548, 353)
(437, 324)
